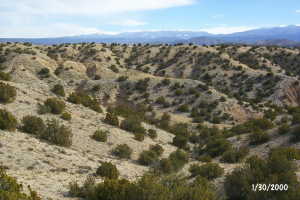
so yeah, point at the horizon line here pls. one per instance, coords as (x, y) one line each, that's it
(108, 33)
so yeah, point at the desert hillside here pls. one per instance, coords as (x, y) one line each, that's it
(187, 112)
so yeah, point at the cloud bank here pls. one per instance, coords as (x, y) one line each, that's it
(88, 7)
(52, 18)
(129, 22)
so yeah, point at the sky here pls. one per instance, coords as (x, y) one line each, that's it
(55, 18)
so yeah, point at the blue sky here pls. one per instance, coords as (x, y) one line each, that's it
(52, 18)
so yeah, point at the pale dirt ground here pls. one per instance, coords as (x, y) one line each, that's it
(49, 168)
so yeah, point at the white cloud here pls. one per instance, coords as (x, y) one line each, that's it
(28, 18)
(129, 22)
(227, 29)
(89, 7)
(282, 25)
(52, 30)
(297, 11)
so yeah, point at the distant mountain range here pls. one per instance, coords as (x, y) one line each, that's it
(282, 36)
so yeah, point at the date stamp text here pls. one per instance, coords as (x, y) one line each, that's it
(261, 187)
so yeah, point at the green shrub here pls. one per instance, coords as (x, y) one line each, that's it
(157, 149)
(165, 82)
(127, 109)
(148, 158)
(209, 170)
(111, 189)
(258, 137)
(165, 166)
(122, 151)
(2, 59)
(142, 85)
(43, 109)
(204, 158)
(59, 90)
(88, 186)
(7, 120)
(75, 190)
(10, 189)
(114, 69)
(194, 138)
(290, 153)
(284, 129)
(44, 72)
(108, 170)
(80, 97)
(164, 121)
(161, 100)
(295, 112)
(58, 70)
(7, 93)
(66, 116)
(152, 187)
(217, 146)
(55, 105)
(5, 76)
(180, 129)
(111, 119)
(76, 97)
(139, 136)
(295, 135)
(152, 133)
(180, 141)
(178, 92)
(133, 125)
(95, 106)
(57, 134)
(122, 78)
(178, 159)
(151, 156)
(252, 125)
(276, 169)
(96, 88)
(263, 123)
(235, 155)
(100, 135)
(183, 108)
(34, 125)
